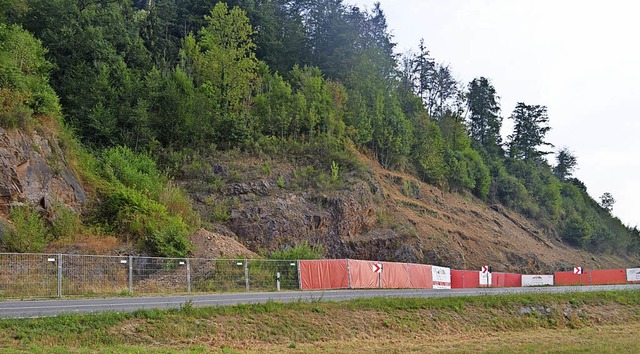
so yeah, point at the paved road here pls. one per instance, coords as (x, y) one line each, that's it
(40, 308)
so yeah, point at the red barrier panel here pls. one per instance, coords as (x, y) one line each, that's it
(609, 276)
(465, 279)
(568, 278)
(506, 280)
(324, 274)
(395, 275)
(363, 275)
(420, 276)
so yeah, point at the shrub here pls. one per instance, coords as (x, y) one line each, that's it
(147, 221)
(64, 222)
(29, 233)
(123, 166)
(411, 188)
(300, 251)
(140, 203)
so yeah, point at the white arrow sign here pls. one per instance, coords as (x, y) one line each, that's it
(376, 268)
(577, 270)
(485, 269)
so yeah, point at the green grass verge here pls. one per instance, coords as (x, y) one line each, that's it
(281, 327)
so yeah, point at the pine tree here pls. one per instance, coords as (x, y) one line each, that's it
(484, 115)
(529, 132)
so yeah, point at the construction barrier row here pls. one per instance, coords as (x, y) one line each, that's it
(357, 274)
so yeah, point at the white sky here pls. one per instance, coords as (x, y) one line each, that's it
(580, 58)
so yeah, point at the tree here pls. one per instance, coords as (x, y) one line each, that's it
(566, 164)
(484, 115)
(607, 201)
(225, 69)
(24, 72)
(424, 68)
(428, 151)
(530, 128)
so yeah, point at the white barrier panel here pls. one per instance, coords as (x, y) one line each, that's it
(485, 279)
(537, 280)
(441, 277)
(633, 275)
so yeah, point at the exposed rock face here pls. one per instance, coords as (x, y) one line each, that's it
(288, 218)
(33, 170)
(375, 217)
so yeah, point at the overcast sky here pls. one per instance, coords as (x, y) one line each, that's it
(581, 59)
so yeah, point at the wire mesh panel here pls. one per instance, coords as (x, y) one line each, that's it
(86, 275)
(263, 274)
(217, 275)
(159, 275)
(23, 274)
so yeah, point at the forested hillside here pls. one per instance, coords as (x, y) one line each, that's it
(146, 93)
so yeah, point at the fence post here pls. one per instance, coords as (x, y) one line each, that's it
(188, 276)
(348, 274)
(299, 275)
(131, 274)
(59, 275)
(246, 274)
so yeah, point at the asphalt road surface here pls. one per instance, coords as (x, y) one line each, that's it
(41, 308)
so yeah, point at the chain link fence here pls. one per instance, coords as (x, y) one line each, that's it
(50, 275)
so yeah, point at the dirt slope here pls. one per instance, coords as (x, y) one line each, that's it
(382, 215)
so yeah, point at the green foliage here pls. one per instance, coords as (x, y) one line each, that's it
(530, 129)
(24, 69)
(188, 80)
(468, 171)
(429, 151)
(301, 250)
(484, 115)
(335, 172)
(136, 171)
(28, 232)
(266, 169)
(566, 164)
(64, 222)
(141, 204)
(576, 230)
(220, 213)
(411, 188)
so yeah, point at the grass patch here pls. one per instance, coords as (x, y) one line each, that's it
(459, 323)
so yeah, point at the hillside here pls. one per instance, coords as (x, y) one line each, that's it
(379, 215)
(126, 127)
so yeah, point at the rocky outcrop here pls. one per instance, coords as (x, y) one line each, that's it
(269, 217)
(34, 171)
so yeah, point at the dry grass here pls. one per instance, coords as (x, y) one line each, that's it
(599, 322)
(601, 339)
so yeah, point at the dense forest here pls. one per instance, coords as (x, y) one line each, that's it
(143, 84)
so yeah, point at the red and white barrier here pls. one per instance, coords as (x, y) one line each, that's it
(485, 279)
(465, 279)
(324, 274)
(357, 274)
(536, 280)
(633, 275)
(420, 276)
(395, 275)
(441, 277)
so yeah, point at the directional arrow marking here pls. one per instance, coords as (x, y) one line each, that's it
(577, 270)
(376, 267)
